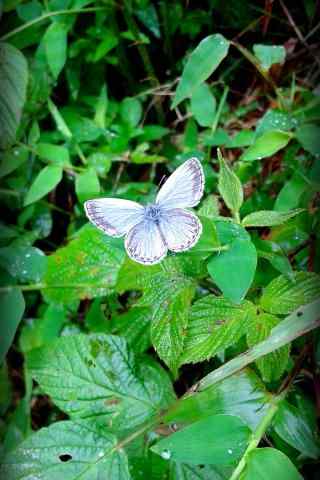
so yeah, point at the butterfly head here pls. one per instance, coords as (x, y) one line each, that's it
(152, 212)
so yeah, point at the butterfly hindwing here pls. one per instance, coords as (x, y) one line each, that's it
(180, 229)
(144, 243)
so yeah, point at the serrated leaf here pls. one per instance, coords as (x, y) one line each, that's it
(216, 440)
(55, 43)
(45, 181)
(169, 293)
(229, 186)
(268, 55)
(12, 306)
(203, 105)
(283, 296)
(204, 59)
(86, 268)
(233, 269)
(68, 450)
(134, 326)
(269, 218)
(268, 144)
(13, 81)
(87, 185)
(214, 324)
(98, 376)
(261, 462)
(271, 366)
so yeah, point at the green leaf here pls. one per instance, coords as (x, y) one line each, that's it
(282, 296)
(134, 326)
(263, 461)
(54, 153)
(100, 162)
(61, 124)
(12, 307)
(271, 366)
(268, 55)
(290, 194)
(26, 264)
(98, 376)
(45, 181)
(202, 62)
(12, 159)
(233, 269)
(272, 252)
(209, 207)
(87, 185)
(214, 324)
(300, 322)
(308, 136)
(269, 218)
(290, 425)
(243, 395)
(185, 471)
(67, 450)
(274, 120)
(55, 43)
(131, 111)
(101, 108)
(229, 186)
(217, 440)
(207, 243)
(86, 268)
(244, 138)
(267, 145)
(13, 81)
(203, 105)
(169, 293)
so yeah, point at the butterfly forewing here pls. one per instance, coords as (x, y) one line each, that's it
(114, 216)
(144, 243)
(184, 188)
(180, 229)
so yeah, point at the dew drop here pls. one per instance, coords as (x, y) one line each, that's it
(166, 454)
(229, 451)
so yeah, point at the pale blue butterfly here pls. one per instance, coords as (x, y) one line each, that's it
(150, 231)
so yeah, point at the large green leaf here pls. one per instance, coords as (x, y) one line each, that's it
(229, 186)
(282, 295)
(263, 462)
(273, 365)
(69, 450)
(98, 376)
(202, 62)
(55, 42)
(44, 182)
(233, 270)
(268, 144)
(214, 324)
(269, 218)
(134, 326)
(86, 268)
(203, 105)
(217, 440)
(12, 307)
(185, 471)
(13, 81)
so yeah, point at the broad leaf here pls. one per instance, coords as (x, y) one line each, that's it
(12, 307)
(45, 181)
(131, 111)
(203, 105)
(13, 81)
(12, 159)
(290, 194)
(134, 326)
(273, 120)
(261, 462)
(214, 324)
(98, 376)
(268, 55)
(282, 296)
(308, 136)
(86, 268)
(202, 62)
(68, 450)
(26, 264)
(87, 185)
(55, 42)
(275, 255)
(56, 154)
(271, 366)
(229, 186)
(268, 144)
(217, 440)
(269, 218)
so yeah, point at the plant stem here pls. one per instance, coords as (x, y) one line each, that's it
(257, 436)
(49, 15)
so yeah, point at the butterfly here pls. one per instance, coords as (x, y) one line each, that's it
(151, 230)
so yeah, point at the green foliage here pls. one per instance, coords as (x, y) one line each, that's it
(185, 369)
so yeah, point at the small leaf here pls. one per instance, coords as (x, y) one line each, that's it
(61, 124)
(87, 185)
(308, 136)
(54, 153)
(268, 144)
(217, 440)
(202, 62)
(203, 105)
(55, 42)
(269, 218)
(131, 111)
(101, 108)
(268, 55)
(262, 461)
(13, 81)
(229, 186)
(271, 366)
(98, 376)
(26, 264)
(67, 450)
(233, 270)
(12, 307)
(45, 181)
(290, 194)
(282, 296)
(209, 207)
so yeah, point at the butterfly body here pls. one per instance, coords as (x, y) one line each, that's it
(151, 230)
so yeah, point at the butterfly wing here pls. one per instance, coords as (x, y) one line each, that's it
(180, 229)
(144, 243)
(114, 216)
(184, 188)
